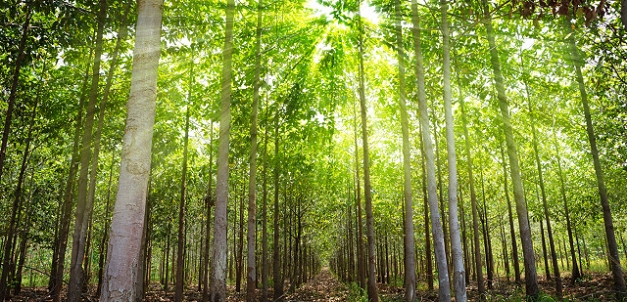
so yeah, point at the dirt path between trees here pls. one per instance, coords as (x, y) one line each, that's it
(323, 287)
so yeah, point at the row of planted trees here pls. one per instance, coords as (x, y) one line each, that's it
(525, 171)
(305, 152)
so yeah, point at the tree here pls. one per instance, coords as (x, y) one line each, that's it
(218, 266)
(121, 272)
(372, 286)
(531, 279)
(251, 277)
(459, 283)
(436, 224)
(613, 256)
(410, 265)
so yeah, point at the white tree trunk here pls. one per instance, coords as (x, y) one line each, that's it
(218, 265)
(456, 246)
(436, 223)
(121, 271)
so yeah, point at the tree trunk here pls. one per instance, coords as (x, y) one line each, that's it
(361, 261)
(180, 260)
(121, 271)
(251, 278)
(209, 202)
(105, 236)
(12, 233)
(544, 255)
(9, 115)
(556, 270)
(512, 233)
(613, 257)
(459, 283)
(410, 265)
(531, 279)
(277, 279)
(58, 258)
(83, 207)
(372, 285)
(264, 232)
(428, 262)
(438, 236)
(218, 264)
(473, 204)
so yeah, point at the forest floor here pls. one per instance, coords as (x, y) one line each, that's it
(326, 287)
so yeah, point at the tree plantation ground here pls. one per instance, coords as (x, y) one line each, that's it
(294, 150)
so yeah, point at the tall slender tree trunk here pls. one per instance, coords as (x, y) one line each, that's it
(436, 224)
(277, 278)
(218, 264)
(105, 236)
(180, 260)
(531, 279)
(556, 269)
(459, 283)
(9, 115)
(122, 270)
(428, 261)
(372, 285)
(544, 255)
(251, 278)
(12, 233)
(83, 208)
(410, 264)
(512, 232)
(612, 256)
(58, 258)
(264, 232)
(575, 273)
(473, 204)
(209, 202)
(361, 261)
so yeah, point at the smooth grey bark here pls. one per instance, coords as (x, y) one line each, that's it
(251, 276)
(409, 248)
(436, 224)
(122, 271)
(83, 208)
(457, 254)
(612, 256)
(218, 264)
(531, 279)
(372, 282)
